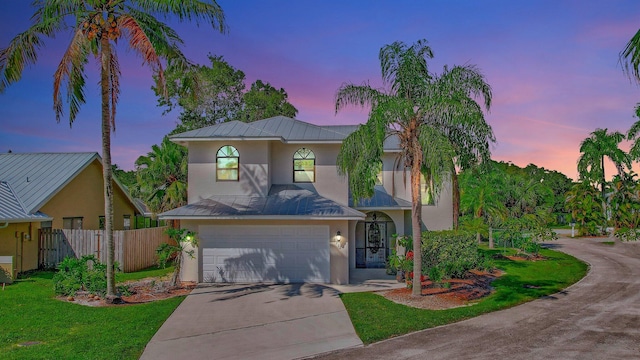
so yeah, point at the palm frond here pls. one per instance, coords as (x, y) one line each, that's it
(187, 10)
(70, 71)
(630, 58)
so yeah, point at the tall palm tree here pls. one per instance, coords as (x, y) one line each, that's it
(96, 26)
(594, 149)
(162, 176)
(421, 109)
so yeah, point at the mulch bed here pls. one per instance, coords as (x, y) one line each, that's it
(457, 292)
(141, 291)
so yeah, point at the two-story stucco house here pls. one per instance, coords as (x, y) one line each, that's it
(267, 203)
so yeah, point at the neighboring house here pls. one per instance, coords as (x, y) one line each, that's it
(268, 205)
(56, 191)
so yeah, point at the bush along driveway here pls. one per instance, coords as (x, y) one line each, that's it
(36, 325)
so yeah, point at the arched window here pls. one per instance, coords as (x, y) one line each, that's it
(227, 164)
(304, 166)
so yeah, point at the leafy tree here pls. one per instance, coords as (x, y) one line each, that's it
(208, 94)
(126, 178)
(625, 202)
(95, 27)
(162, 176)
(585, 205)
(417, 107)
(263, 101)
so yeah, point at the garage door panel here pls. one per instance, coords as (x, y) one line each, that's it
(265, 253)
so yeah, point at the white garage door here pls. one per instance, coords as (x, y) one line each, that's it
(283, 254)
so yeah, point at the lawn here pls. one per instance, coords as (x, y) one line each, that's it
(376, 318)
(29, 312)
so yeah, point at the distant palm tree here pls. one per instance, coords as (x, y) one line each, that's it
(96, 26)
(594, 149)
(421, 110)
(482, 197)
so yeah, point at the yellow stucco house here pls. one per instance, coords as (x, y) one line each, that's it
(52, 190)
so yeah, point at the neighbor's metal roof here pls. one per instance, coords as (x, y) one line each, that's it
(12, 210)
(36, 177)
(283, 201)
(381, 200)
(277, 128)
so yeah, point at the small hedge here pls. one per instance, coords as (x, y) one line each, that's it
(450, 254)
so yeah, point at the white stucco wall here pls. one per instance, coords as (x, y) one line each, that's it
(253, 175)
(328, 183)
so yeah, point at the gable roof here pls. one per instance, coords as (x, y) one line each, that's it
(12, 210)
(283, 202)
(36, 177)
(281, 128)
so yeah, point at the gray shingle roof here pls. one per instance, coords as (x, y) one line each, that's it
(381, 200)
(12, 210)
(276, 128)
(282, 201)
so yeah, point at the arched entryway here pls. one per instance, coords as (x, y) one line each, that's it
(373, 240)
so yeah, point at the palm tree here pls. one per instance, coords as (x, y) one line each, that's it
(481, 196)
(162, 176)
(96, 26)
(420, 109)
(630, 57)
(593, 151)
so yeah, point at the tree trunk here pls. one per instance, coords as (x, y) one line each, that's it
(455, 188)
(416, 215)
(105, 84)
(491, 238)
(478, 237)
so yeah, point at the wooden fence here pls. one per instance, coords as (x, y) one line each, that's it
(134, 249)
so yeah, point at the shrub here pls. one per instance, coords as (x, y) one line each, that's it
(451, 253)
(86, 274)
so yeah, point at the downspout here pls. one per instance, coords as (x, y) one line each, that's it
(6, 224)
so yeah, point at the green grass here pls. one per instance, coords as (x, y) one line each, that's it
(376, 318)
(610, 243)
(30, 312)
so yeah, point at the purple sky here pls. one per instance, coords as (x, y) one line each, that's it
(553, 66)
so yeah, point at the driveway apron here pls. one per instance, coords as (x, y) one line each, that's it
(255, 321)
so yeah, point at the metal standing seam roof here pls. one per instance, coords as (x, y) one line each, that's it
(36, 177)
(284, 201)
(12, 210)
(381, 200)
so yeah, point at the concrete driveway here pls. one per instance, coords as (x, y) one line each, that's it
(597, 318)
(255, 321)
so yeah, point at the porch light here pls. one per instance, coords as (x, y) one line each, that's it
(338, 236)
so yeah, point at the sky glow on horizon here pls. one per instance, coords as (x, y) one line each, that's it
(553, 67)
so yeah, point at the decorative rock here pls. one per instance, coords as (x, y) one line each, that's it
(70, 298)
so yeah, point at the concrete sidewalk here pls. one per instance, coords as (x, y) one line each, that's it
(254, 321)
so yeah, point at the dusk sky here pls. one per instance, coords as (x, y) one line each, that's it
(553, 67)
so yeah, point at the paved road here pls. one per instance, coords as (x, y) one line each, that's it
(597, 318)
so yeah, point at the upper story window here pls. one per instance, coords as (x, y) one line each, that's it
(426, 191)
(304, 166)
(227, 164)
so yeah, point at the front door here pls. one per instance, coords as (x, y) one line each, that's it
(372, 241)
